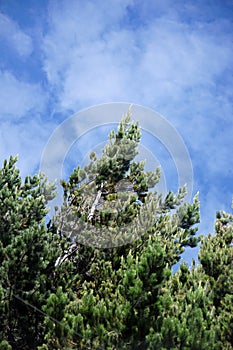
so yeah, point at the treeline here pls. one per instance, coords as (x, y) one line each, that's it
(99, 274)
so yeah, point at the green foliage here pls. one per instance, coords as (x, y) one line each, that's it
(187, 316)
(216, 257)
(63, 287)
(4, 345)
(197, 306)
(113, 192)
(27, 254)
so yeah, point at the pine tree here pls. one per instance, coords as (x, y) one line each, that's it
(26, 256)
(197, 306)
(116, 297)
(216, 258)
(99, 275)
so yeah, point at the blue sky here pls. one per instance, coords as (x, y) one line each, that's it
(176, 57)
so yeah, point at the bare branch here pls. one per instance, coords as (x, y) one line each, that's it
(96, 201)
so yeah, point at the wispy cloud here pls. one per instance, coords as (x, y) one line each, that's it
(18, 97)
(14, 37)
(26, 139)
(160, 63)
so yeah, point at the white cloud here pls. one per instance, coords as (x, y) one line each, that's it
(177, 58)
(92, 57)
(23, 130)
(17, 97)
(87, 52)
(15, 37)
(74, 25)
(26, 139)
(176, 66)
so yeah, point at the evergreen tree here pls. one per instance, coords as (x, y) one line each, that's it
(216, 258)
(197, 306)
(28, 251)
(99, 276)
(115, 300)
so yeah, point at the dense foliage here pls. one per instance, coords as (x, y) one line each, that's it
(99, 276)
